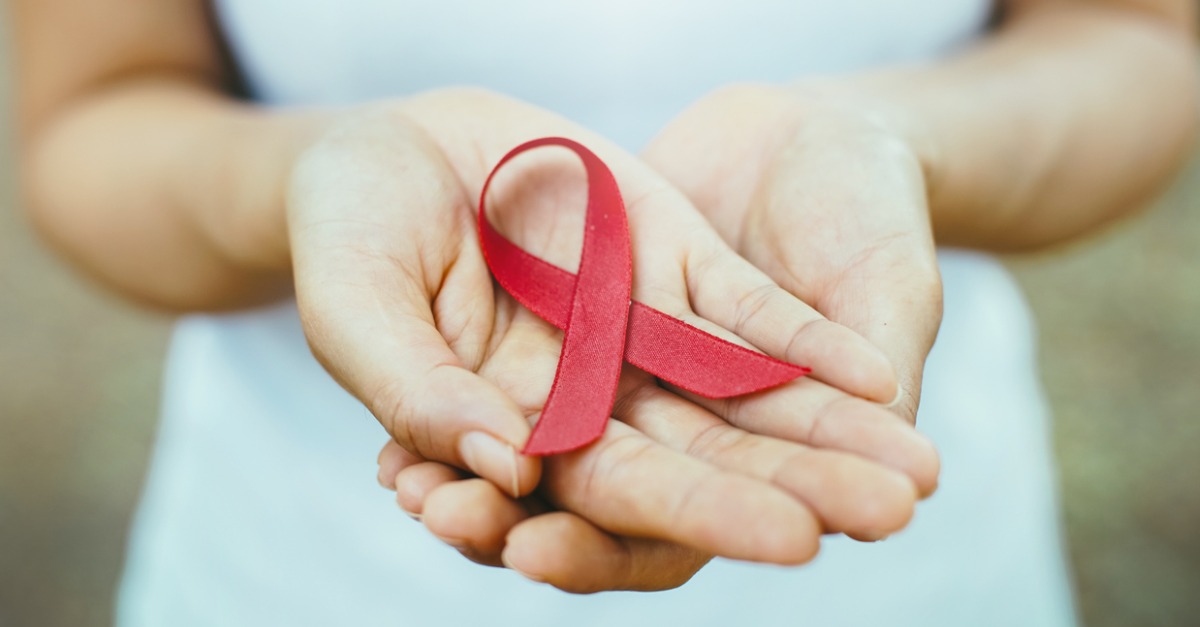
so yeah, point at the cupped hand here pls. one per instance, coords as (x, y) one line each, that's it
(824, 191)
(386, 266)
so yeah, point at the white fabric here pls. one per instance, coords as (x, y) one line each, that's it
(261, 506)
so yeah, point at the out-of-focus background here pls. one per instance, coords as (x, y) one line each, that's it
(1120, 355)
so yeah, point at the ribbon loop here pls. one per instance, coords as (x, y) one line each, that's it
(602, 327)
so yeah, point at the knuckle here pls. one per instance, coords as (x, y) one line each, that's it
(651, 199)
(814, 430)
(629, 399)
(796, 340)
(700, 263)
(396, 402)
(736, 410)
(392, 404)
(751, 304)
(606, 460)
(681, 512)
(715, 441)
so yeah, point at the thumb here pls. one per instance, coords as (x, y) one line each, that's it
(382, 346)
(861, 253)
(897, 312)
(376, 232)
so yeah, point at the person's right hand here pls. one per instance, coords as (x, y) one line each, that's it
(398, 305)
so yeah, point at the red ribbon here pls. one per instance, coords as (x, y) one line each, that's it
(603, 327)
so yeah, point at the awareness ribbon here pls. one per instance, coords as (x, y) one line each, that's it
(603, 327)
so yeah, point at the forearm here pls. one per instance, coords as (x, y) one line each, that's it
(167, 191)
(1069, 116)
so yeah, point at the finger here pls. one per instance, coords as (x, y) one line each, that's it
(901, 317)
(684, 267)
(392, 459)
(571, 554)
(813, 413)
(367, 306)
(560, 548)
(848, 493)
(728, 290)
(884, 285)
(473, 516)
(630, 485)
(416, 482)
(433, 406)
(787, 328)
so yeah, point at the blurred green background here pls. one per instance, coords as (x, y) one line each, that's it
(1119, 320)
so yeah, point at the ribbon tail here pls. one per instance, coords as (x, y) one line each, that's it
(699, 362)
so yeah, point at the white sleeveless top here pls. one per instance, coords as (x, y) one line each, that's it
(261, 506)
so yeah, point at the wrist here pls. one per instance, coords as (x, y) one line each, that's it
(884, 110)
(870, 109)
(259, 153)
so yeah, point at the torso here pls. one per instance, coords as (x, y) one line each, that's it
(261, 506)
(621, 67)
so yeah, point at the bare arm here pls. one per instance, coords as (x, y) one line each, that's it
(1072, 114)
(153, 180)
(124, 122)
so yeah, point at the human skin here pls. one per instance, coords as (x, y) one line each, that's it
(109, 108)
(177, 195)
(1070, 116)
(381, 224)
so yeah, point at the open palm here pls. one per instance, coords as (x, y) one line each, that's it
(399, 306)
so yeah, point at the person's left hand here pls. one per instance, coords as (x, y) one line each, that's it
(824, 190)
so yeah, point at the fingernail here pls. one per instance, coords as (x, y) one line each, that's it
(509, 565)
(899, 397)
(490, 458)
(455, 543)
(512, 469)
(869, 537)
(400, 498)
(387, 482)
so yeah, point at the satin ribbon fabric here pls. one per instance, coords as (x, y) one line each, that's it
(603, 327)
